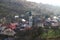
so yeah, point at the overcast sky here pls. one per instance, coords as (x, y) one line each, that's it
(51, 2)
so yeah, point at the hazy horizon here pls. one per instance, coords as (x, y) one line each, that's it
(50, 2)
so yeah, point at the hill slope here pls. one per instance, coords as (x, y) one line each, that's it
(20, 6)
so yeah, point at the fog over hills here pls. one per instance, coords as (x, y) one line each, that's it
(21, 6)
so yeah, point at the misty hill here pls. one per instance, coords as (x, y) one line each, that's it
(21, 6)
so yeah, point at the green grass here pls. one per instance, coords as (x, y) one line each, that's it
(51, 33)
